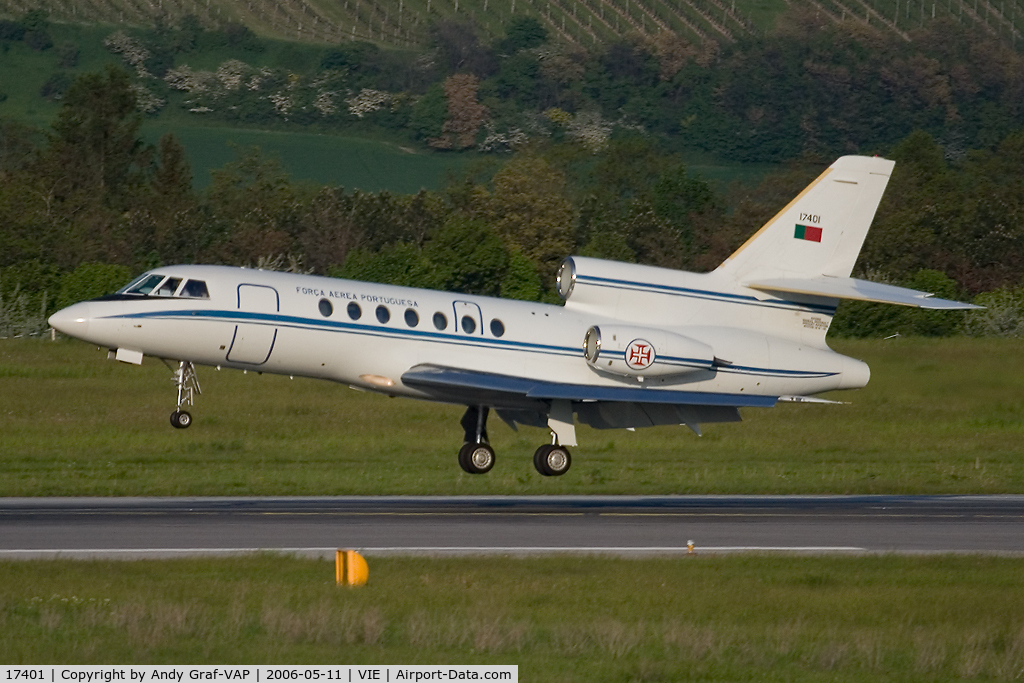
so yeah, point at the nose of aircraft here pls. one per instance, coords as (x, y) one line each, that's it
(72, 321)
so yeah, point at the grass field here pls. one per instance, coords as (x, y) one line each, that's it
(939, 416)
(746, 618)
(349, 162)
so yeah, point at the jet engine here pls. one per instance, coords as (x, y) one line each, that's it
(644, 351)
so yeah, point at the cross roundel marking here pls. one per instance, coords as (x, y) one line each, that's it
(639, 354)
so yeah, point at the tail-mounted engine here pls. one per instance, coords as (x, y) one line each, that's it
(644, 352)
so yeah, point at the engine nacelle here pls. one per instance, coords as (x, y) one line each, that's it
(644, 351)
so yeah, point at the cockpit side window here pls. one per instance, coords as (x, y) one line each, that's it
(145, 285)
(195, 289)
(168, 288)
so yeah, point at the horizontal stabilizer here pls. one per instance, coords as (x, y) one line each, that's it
(857, 290)
(447, 380)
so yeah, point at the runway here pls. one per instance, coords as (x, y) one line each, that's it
(129, 528)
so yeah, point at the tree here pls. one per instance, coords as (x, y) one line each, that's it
(532, 213)
(95, 143)
(467, 256)
(523, 32)
(465, 114)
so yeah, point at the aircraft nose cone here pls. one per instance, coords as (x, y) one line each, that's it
(72, 321)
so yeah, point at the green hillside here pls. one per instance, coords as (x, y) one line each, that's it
(583, 22)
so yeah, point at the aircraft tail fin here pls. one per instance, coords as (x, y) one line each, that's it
(820, 233)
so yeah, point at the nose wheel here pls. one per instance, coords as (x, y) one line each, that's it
(181, 419)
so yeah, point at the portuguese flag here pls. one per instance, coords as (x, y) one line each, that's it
(808, 232)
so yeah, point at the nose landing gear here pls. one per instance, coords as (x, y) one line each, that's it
(187, 383)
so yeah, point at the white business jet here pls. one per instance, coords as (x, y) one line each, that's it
(633, 346)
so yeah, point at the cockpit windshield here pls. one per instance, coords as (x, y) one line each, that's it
(143, 285)
(155, 284)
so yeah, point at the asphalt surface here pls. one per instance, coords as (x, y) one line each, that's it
(614, 525)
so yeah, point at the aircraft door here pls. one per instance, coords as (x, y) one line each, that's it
(468, 318)
(255, 335)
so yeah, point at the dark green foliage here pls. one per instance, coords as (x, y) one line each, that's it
(467, 256)
(862, 319)
(67, 55)
(11, 30)
(522, 33)
(521, 280)
(96, 135)
(429, 113)
(91, 280)
(55, 86)
(399, 264)
(460, 48)
(38, 40)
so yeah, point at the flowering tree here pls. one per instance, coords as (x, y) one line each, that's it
(465, 114)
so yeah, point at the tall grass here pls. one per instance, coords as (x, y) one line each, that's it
(939, 416)
(566, 619)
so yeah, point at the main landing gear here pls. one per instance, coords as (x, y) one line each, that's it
(187, 383)
(476, 455)
(552, 460)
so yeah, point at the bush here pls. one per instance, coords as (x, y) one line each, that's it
(38, 40)
(1003, 315)
(863, 319)
(67, 55)
(11, 30)
(91, 280)
(55, 86)
(18, 318)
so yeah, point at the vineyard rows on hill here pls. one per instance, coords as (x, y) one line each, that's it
(584, 22)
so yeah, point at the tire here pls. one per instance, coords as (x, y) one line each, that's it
(180, 419)
(476, 458)
(552, 461)
(539, 456)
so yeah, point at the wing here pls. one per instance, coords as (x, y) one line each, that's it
(439, 381)
(526, 401)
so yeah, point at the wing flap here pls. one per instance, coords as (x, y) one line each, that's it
(857, 290)
(451, 380)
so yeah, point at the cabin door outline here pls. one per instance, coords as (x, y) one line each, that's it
(463, 309)
(254, 339)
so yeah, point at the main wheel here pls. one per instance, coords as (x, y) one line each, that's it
(552, 461)
(180, 419)
(476, 458)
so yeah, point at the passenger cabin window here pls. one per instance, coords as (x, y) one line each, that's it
(468, 324)
(497, 328)
(412, 318)
(326, 309)
(354, 311)
(383, 314)
(440, 321)
(195, 289)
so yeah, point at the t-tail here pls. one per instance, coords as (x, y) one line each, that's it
(809, 248)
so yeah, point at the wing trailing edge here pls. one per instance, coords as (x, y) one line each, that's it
(857, 290)
(435, 379)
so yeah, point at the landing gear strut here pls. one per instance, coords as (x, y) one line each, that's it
(187, 383)
(476, 455)
(553, 459)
